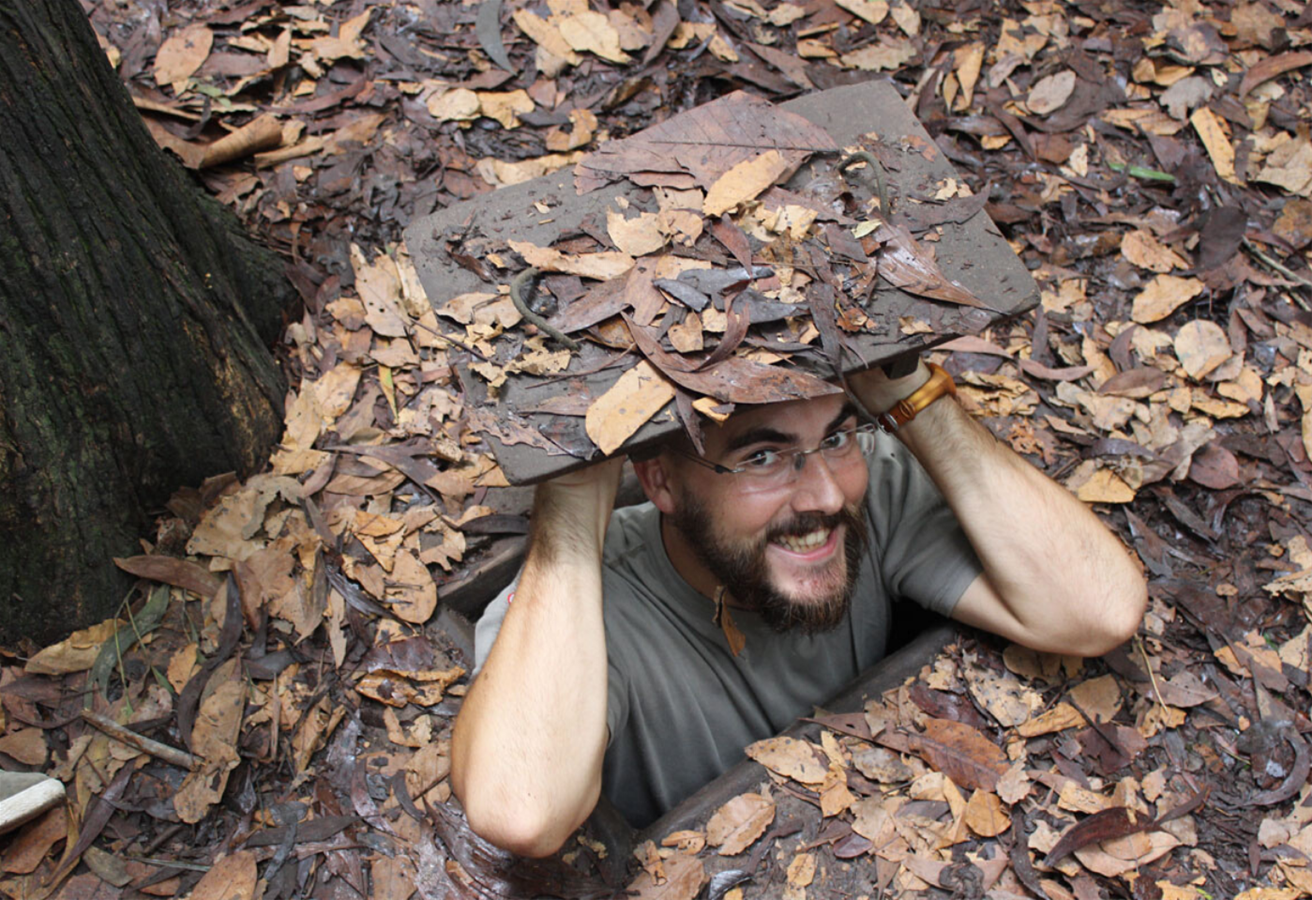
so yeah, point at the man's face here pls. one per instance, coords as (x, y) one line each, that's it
(791, 550)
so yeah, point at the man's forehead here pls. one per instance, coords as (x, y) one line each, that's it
(793, 417)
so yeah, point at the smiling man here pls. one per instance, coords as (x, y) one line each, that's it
(639, 653)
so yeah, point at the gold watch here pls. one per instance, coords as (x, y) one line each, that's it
(906, 409)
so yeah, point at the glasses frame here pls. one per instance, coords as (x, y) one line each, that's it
(799, 456)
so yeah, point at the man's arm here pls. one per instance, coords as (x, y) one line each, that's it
(1054, 578)
(528, 744)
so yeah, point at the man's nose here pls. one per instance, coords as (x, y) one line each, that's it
(816, 489)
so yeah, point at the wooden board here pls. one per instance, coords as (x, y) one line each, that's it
(972, 253)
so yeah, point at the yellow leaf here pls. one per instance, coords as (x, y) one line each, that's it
(505, 106)
(1094, 485)
(1146, 252)
(592, 31)
(739, 822)
(546, 36)
(1212, 133)
(1201, 346)
(984, 814)
(600, 266)
(457, 105)
(968, 60)
(873, 11)
(639, 394)
(1163, 296)
(182, 54)
(743, 182)
(637, 236)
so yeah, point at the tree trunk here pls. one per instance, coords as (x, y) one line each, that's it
(135, 317)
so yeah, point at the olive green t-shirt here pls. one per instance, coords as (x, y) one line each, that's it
(681, 707)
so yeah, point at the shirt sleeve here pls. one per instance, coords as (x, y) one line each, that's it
(923, 553)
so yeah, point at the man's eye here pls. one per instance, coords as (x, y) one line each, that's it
(836, 441)
(763, 459)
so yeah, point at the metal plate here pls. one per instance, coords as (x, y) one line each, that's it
(972, 253)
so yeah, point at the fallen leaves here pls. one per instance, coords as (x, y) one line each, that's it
(638, 395)
(737, 824)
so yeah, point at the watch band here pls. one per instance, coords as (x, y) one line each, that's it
(906, 409)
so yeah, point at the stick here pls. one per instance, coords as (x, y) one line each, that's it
(144, 744)
(1282, 269)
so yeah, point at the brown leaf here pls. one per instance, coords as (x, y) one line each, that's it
(1101, 826)
(1214, 467)
(1201, 346)
(735, 380)
(744, 182)
(1146, 252)
(789, 757)
(35, 840)
(601, 266)
(1051, 92)
(639, 394)
(261, 133)
(985, 815)
(182, 54)
(684, 875)
(411, 593)
(738, 823)
(231, 878)
(637, 236)
(181, 573)
(962, 753)
(76, 653)
(705, 142)
(905, 263)
(27, 745)
(1163, 296)
(1273, 66)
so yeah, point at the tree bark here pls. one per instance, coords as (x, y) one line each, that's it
(136, 319)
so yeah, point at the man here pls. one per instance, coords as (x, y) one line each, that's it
(805, 541)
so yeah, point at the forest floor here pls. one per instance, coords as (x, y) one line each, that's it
(1150, 164)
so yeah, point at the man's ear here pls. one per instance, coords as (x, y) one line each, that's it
(655, 475)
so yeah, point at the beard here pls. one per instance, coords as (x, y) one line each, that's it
(744, 571)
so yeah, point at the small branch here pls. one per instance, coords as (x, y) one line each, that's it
(144, 744)
(1282, 269)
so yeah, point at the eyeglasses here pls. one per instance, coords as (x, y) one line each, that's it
(768, 469)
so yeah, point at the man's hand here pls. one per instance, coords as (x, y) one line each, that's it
(528, 744)
(1055, 578)
(879, 392)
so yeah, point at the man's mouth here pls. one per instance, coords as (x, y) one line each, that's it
(805, 543)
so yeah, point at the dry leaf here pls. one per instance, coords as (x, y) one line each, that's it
(546, 35)
(1006, 699)
(592, 32)
(684, 875)
(411, 593)
(75, 653)
(743, 182)
(872, 11)
(27, 745)
(1093, 484)
(1050, 93)
(1201, 346)
(1214, 137)
(601, 266)
(639, 394)
(637, 236)
(1163, 296)
(1146, 252)
(961, 753)
(505, 107)
(33, 843)
(789, 757)
(886, 53)
(739, 822)
(801, 871)
(985, 816)
(231, 878)
(182, 54)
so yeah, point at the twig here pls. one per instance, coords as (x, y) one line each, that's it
(1152, 676)
(169, 863)
(1283, 270)
(516, 286)
(450, 340)
(144, 744)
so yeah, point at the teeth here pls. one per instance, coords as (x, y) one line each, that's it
(805, 542)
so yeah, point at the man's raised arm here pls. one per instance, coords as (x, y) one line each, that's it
(1055, 579)
(528, 744)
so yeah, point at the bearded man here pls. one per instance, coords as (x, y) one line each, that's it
(609, 664)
